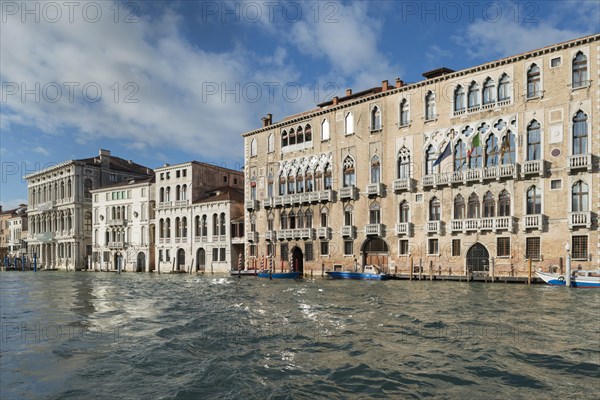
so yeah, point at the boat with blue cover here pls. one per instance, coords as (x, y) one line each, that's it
(370, 273)
(280, 275)
(579, 278)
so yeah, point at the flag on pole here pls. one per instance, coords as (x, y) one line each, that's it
(475, 142)
(445, 154)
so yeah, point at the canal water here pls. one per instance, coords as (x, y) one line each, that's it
(104, 335)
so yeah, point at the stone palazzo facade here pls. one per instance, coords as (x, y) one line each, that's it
(474, 171)
(60, 207)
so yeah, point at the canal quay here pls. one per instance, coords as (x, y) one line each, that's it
(98, 336)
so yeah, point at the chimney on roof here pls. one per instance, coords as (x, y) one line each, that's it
(268, 120)
(384, 85)
(348, 92)
(399, 83)
(104, 158)
(335, 100)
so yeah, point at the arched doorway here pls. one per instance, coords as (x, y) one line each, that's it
(375, 251)
(141, 262)
(478, 260)
(118, 261)
(297, 260)
(200, 259)
(180, 259)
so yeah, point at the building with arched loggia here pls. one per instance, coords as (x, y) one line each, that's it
(471, 171)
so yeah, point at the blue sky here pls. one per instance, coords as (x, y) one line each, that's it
(161, 82)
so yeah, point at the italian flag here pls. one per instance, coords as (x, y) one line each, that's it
(475, 142)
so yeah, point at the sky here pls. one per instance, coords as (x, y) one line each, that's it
(173, 81)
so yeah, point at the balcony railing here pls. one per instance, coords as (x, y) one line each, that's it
(164, 204)
(582, 218)
(278, 201)
(434, 227)
(533, 222)
(533, 167)
(116, 222)
(324, 233)
(349, 231)
(437, 179)
(456, 225)
(580, 161)
(252, 236)
(181, 203)
(404, 229)
(268, 202)
(403, 184)
(116, 245)
(251, 204)
(349, 192)
(481, 224)
(500, 171)
(306, 233)
(375, 189)
(270, 235)
(374, 230)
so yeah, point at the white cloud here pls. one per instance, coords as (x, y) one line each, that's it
(41, 150)
(149, 61)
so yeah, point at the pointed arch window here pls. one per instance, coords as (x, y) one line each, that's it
(374, 213)
(325, 130)
(473, 95)
(292, 220)
(404, 112)
(476, 157)
(184, 227)
(459, 207)
(489, 91)
(308, 133)
(309, 183)
(292, 137)
(168, 227)
(253, 188)
(271, 143)
(404, 212)
(283, 220)
(349, 124)
(533, 141)
(300, 220)
(177, 227)
(375, 118)
(403, 163)
(284, 138)
(282, 185)
(580, 70)
(204, 226)
(308, 219)
(327, 178)
(300, 182)
(429, 160)
(434, 209)
(270, 186)
(534, 201)
(215, 225)
(507, 149)
(533, 81)
(460, 156)
(491, 151)
(348, 215)
(504, 88)
(473, 206)
(504, 204)
(580, 133)
(349, 173)
(430, 106)
(197, 226)
(489, 205)
(299, 135)
(222, 231)
(375, 169)
(580, 197)
(324, 217)
(253, 148)
(459, 98)
(87, 186)
(291, 184)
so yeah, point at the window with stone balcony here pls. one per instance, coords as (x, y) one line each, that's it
(533, 141)
(308, 133)
(507, 149)
(504, 88)
(404, 212)
(460, 156)
(282, 182)
(309, 185)
(580, 133)
(204, 223)
(534, 201)
(324, 217)
(489, 205)
(283, 220)
(580, 75)
(489, 91)
(374, 213)
(430, 158)
(534, 88)
(177, 227)
(299, 135)
(473, 210)
(349, 173)
(253, 188)
(459, 207)
(270, 185)
(215, 225)
(375, 169)
(222, 224)
(308, 219)
(580, 197)
(434, 209)
(403, 163)
(348, 215)
(284, 138)
(292, 137)
(473, 95)
(492, 151)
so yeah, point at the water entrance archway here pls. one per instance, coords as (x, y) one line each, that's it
(375, 251)
(478, 260)
(297, 260)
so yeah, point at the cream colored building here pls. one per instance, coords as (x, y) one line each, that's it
(60, 207)
(355, 181)
(124, 228)
(198, 213)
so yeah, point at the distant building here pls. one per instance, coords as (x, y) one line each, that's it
(13, 230)
(472, 171)
(60, 207)
(198, 217)
(123, 219)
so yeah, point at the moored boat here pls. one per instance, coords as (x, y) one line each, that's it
(370, 273)
(280, 275)
(580, 278)
(244, 272)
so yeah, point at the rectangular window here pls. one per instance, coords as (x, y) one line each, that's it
(308, 252)
(253, 250)
(284, 251)
(225, 178)
(222, 254)
(433, 247)
(143, 192)
(270, 250)
(162, 176)
(184, 172)
(160, 255)
(419, 198)
(215, 256)
(580, 248)
(556, 184)
(503, 247)
(235, 181)
(455, 247)
(177, 173)
(113, 177)
(324, 248)
(403, 247)
(348, 248)
(96, 198)
(555, 62)
(532, 248)
(167, 255)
